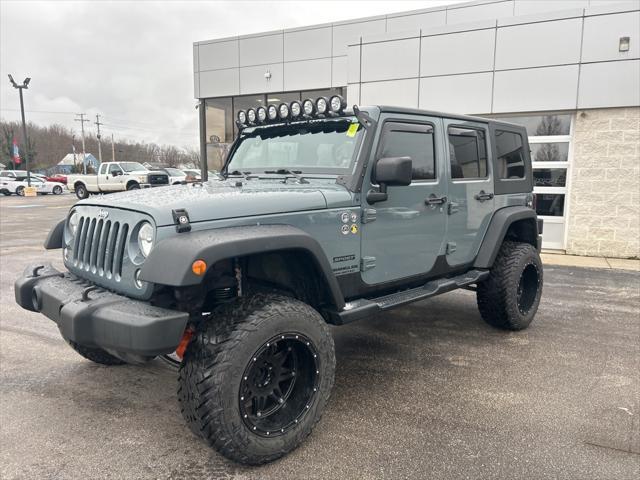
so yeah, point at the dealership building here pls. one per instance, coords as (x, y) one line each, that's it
(568, 70)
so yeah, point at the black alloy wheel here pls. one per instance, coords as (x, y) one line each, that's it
(528, 288)
(279, 384)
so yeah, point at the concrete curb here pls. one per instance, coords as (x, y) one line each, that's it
(590, 262)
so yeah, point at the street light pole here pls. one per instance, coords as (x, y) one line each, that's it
(24, 85)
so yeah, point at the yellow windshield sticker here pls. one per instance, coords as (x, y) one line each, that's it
(353, 128)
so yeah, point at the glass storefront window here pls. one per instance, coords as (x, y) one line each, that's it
(550, 204)
(550, 177)
(219, 125)
(550, 152)
(313, 94)
(286, 97)
(543, 125)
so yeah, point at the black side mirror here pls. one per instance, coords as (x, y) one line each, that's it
(390, 171)
(115, 173)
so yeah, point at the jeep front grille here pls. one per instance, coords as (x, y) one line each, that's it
(100, 246)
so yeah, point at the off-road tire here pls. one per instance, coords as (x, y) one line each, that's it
(96, 355)
(81, 192)
(211, 374)
(57, 190)
(497, 296)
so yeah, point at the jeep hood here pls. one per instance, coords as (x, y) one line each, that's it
(221, 199)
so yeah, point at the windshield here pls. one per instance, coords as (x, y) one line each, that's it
(132, 166)
(322, 146)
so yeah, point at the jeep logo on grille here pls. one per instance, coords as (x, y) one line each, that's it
(102, 213)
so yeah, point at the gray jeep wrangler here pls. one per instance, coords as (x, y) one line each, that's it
(321, 215)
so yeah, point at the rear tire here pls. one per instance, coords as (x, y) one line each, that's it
(96, 355)
(254, 380)
(81, 191)
(509, 297)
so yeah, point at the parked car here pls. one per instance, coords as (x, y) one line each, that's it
(192, 174)
(57, 177)
(13, 173)
(9, 186)
(176, 176)
(242, 278)
(116, 177)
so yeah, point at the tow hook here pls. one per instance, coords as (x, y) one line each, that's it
(184, 342)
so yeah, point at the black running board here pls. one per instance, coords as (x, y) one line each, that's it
(363, 307)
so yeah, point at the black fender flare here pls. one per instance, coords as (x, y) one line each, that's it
(54, 238)
(498, 227)
(169, 262)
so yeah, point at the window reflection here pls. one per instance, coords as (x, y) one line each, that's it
(550, 204)
(543, 125)
(550, 152)
(550, 177)
(219, 122)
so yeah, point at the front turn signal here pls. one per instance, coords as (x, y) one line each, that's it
(199, 267)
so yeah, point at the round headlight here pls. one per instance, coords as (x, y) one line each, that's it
(262, 114)
(308, 107)
(74, 219)
(283, 110)
(321, 105)
(242, 116)
(145, 238)
(272, 112)
(337, 103)
(251, 115)
(296, 109)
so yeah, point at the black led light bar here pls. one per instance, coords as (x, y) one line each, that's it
(286, 112)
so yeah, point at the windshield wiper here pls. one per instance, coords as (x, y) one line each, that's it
(244, 175)
(284, 171)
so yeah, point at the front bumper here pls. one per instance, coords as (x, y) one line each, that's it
(92, 316)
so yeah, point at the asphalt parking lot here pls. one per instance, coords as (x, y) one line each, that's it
(428, 391)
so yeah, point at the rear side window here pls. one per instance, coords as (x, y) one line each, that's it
(415, 141)
(510, 153)
(467, 152)
(103, 168)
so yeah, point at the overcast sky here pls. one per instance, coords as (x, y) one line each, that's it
(132, 61)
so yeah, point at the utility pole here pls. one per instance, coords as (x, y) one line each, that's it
(25, 85)
(84, 153)
(113, 150)
(99, 143)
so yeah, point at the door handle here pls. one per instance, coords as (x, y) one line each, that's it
(434, 200)
(482, 196)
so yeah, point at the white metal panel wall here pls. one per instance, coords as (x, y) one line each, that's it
(345, 34)
(529, 7)
(402, 93)
(219, 55)
(602, 36)
(462, 52)
(539, 44)
(338, 71)
(609, 84)
(389, 60)
(252, 79)
(259, 50)
(416, 21)
(307, 74)
(307, 44)
(535, 89)
(215, 83)
(457, 93)
(480, 12)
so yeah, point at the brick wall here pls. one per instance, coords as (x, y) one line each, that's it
(604, 210)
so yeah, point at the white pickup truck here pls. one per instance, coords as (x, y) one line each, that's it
(116, 177)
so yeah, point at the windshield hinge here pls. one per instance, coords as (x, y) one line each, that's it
(369, 215)
(367, 263)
